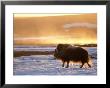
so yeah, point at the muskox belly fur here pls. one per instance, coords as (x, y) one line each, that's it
(67, 53)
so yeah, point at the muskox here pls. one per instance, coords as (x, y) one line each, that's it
(67, 53)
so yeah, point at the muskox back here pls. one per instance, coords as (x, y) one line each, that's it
(76, 54)
(68, 53)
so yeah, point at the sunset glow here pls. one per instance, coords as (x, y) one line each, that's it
(55, 28)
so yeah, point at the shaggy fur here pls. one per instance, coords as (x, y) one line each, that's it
(67, 53)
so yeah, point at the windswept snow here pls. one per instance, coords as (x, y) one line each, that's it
(47, 65)
(18, 48)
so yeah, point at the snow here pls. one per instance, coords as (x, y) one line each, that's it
(47, 65)
(30, 48)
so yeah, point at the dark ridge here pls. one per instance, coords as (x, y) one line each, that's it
(86, 45)
(28, 53)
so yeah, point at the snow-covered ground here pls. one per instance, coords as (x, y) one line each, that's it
(47, 65)
(34, 48)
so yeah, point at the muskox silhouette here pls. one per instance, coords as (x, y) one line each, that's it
(67, 53)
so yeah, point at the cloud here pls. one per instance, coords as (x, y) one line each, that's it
(80, 25)
(33, 38)
(43, 37)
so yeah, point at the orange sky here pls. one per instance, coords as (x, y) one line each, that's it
(55, 28)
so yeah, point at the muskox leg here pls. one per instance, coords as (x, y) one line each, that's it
(82, 65)
(63, 63)
(67, 64)
(88, 64)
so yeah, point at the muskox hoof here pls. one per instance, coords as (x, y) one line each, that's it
(82, 65)
(62, 65)
(66, 67)
(89, 65)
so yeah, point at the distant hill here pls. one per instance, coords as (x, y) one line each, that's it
(86, 45)
(54, 45)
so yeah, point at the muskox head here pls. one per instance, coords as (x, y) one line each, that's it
(59, 51)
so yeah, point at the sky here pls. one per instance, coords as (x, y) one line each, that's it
(33, 29)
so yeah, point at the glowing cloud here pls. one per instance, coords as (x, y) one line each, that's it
(42, 38)
(80, 25)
